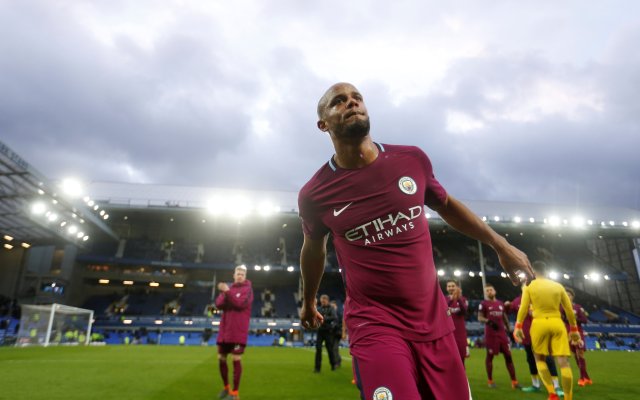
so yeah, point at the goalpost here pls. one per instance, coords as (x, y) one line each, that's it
(54, 324)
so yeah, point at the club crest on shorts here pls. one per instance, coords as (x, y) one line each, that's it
(407, 185)
(382, 393)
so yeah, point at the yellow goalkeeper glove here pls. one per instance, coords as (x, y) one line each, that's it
(518, 333)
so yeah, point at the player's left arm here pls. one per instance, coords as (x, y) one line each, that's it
(462, 219)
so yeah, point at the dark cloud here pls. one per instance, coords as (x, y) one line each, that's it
(226, 97)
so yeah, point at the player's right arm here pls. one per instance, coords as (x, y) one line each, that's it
(481, 315)
(312, 258)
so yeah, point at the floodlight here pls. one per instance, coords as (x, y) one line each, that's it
(240, 207)
(215, 323)
(457, 272)
(257, 268)
(594, 276)
(635, 224)
(480, 273)
(80, 235)
(86, 199)
(484, 219)
(577, 222)
(52, 217)
(612, 223)
(8, 246)
(38, 208)
(128, 283)
(566, 276)
(290, 268)
(532, 220)
(127, 321)
(8, 238)
(178, 285)
(26, 245)
(586, 276)
(440, 272)
(154, 284)
(215, 206)
(95, 208)
(265, 208)
(158, 322)
(290, 330)
(72, 230)
(590, 222)
(606, 277)
(472, 274)
(91, 203)
(102, 212)
(103, 281)
(40, 191)
(625, 223)
(496, 218)
(105, 217)
(503, 274)
(554, 221)
(85, 238)
(72, 187)
(517, 219)
(268, 330)
(295, 324)
(553, 275)
(266, 268)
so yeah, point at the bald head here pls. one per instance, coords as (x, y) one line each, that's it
(326, 97)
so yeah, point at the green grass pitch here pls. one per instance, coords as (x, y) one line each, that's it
(170, 372)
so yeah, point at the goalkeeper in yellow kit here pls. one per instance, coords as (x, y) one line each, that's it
(548, 332)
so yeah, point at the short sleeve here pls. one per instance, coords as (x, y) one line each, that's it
(312, 225)
(435, 195)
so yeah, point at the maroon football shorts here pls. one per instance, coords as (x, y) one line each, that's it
(233, 348)
(496, 344)
(389, 367)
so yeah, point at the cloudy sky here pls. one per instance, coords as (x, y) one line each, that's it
(513, 101)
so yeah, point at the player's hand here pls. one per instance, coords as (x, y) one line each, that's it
(518, 335)
(223, 287)
(310, 317)
(516, 264)
(457, 293)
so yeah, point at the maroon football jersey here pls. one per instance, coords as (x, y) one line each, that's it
(493, 310)
(378, 223)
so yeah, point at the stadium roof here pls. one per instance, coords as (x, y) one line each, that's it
(130, 196)
(33, 212)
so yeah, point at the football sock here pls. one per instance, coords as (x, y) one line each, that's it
(545, 375)
(237, 372)
(582, 364)
(556, 382)
(567, 382)
(535, 381)
(488, 364)
(512, 370)
(224, 372)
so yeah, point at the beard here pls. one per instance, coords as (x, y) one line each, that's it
(355, 130)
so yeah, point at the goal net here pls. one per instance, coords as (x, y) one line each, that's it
(54, 324)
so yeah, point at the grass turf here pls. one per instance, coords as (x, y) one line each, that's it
(170, 372)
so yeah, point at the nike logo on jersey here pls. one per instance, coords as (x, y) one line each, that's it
(338, 212)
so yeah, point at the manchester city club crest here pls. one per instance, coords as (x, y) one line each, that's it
(407, 185)
(382, 393)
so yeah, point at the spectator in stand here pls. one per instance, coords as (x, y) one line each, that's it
(235, 303)
(458, 306)
(578, 349)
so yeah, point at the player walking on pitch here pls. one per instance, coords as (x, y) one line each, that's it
(548, 333)
(235, 303)
(578, 350)
(492, 314)
(370, 197)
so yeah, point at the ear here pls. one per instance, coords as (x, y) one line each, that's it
(322, 125)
